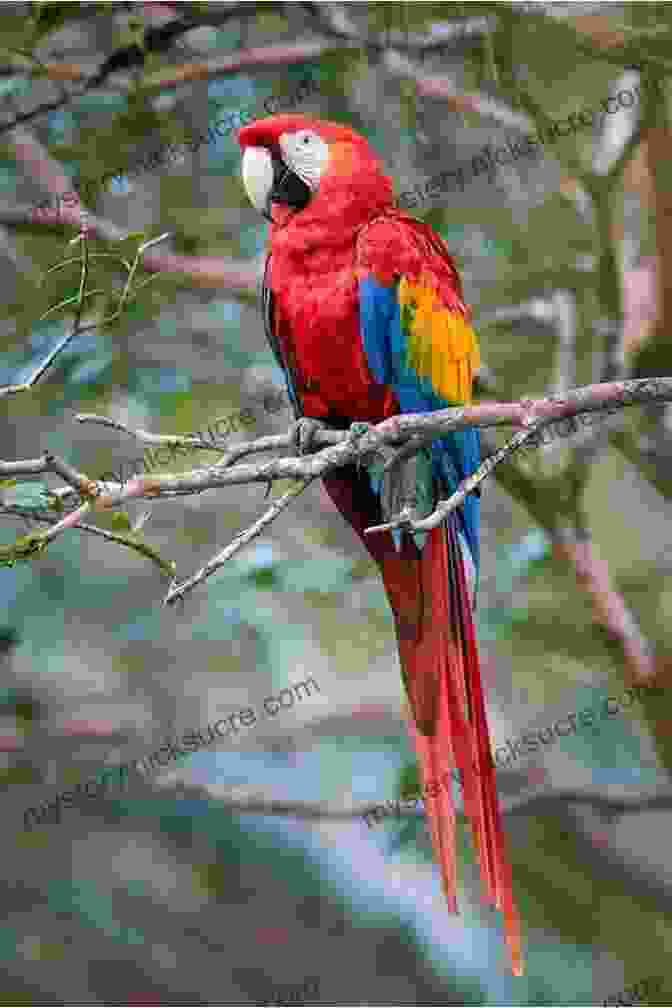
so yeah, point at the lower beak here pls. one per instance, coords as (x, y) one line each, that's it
(288, 188)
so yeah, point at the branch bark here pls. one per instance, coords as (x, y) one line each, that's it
(335, 450)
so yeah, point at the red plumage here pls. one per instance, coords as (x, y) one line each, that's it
(347, 231)
(439, 658)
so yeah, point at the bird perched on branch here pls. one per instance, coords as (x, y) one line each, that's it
(364, 311)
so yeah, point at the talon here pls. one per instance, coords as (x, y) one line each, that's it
(302, 433)
(357, 430)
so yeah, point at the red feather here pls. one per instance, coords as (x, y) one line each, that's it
(314, 272)
(432, 609)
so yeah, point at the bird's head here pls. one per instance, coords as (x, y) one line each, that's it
(294, 164)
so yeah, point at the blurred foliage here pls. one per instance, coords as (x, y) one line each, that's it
(290, 595)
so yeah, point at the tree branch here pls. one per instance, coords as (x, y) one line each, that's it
(535, 421)
(178, 591)
(155, 39)
(336, 448)
(441, 86)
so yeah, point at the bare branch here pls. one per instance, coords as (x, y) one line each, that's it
(76, 326)
(345, 447)
(233, 275)
(335, 22)
(271, 442)
(242, 539)
(70, 521)
(155, 39)
(538, 408)
(263, 57)
(146, 437)
(609, 608)
(132, 542)
(337, 449)
(441, 86)
(204, 271)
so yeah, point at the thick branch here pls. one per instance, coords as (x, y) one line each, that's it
(610, 610)
(341, 448)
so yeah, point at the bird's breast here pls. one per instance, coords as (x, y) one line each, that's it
(322, 338)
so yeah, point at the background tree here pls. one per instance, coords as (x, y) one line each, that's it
(561, 255)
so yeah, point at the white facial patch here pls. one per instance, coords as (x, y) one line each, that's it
(307, 154)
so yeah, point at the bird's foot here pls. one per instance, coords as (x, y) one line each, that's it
(302, 434)
(357, 430)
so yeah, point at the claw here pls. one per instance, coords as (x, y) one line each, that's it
(302, 433)
(357, 430)
(410, 449)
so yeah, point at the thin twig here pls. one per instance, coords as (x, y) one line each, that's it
(168, 440)
(144, 549)
(78, 299)
(70, 521)
(7, 390)
(242, 539)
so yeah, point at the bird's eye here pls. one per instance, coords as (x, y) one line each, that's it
(306, 140)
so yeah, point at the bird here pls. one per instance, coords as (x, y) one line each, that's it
(364, 311)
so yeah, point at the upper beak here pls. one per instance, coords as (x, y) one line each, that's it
(267, 179)
(257, 170)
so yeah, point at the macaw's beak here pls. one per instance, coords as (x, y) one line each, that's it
(267, 180)
(288, 187)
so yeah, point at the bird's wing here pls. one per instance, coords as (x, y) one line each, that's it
(418, 337)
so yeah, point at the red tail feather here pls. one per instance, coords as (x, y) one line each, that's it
(454, 731)
(432, 609)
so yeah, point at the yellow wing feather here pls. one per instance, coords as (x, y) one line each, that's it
(442, 346)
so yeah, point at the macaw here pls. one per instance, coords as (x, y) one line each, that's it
(364, 311)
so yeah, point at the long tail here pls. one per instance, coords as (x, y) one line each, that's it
(432, 606)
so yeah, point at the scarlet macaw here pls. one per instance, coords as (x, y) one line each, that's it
(364, 311)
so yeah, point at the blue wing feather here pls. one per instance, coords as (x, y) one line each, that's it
(456, 455)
